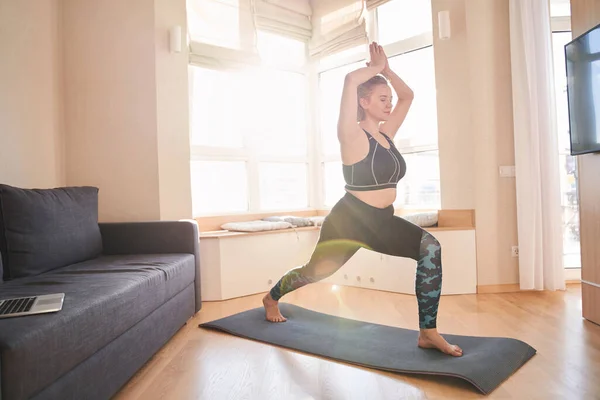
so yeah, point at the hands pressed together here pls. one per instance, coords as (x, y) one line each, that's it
(379, 59)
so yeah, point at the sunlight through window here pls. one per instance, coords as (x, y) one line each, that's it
(417, 69)
(279, 51)
(278, 107)
(333, 180)
(244, 121)
(283, 186)
(560, 8)
(401, 19)
(331, 84)
(218, 107)
(219, 186)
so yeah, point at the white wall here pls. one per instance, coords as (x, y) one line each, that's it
(31, 130)
(476, 128)
(126, 107)
(172, 113)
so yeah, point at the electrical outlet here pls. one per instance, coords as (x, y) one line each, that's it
(515, 251)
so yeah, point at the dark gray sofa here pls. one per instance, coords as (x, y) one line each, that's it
(129, 287)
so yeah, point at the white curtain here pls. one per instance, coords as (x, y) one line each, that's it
(298, 6)
(338, 25)
(371, 4)
(536, 147)
(289, 18)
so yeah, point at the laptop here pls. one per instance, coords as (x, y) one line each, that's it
(31, 305)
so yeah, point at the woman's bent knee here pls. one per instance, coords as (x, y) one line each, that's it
(428, 241)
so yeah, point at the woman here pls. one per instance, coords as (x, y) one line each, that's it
(364, 217)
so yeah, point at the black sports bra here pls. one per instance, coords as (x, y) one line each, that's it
(382, 168)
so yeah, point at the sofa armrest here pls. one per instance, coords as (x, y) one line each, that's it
(154, 237)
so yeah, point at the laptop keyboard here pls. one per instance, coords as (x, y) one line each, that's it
(14, 306)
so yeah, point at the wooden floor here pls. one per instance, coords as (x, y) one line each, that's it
(202, 364)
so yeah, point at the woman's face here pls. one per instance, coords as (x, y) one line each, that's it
(379, 104)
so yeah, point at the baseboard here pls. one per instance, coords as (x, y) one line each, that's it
(511, 287)
(505, 288)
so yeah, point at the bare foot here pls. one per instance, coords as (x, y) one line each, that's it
(272, 309)
(431, 339)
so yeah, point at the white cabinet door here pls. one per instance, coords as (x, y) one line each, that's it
(248, 264)
(459, 261)
(254, 263)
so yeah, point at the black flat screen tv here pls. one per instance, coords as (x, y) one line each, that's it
(582, 58)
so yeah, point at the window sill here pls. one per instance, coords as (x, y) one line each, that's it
(210, 227)
(230, 234)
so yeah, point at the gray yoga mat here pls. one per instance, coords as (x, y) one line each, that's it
(486, 361)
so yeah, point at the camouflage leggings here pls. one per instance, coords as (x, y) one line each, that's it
(352, 225)
(428, 283)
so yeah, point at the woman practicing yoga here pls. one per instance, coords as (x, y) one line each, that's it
(364, 216)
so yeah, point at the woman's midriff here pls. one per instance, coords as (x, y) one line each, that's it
(377, 198)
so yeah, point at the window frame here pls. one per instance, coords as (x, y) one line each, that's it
(247, 152)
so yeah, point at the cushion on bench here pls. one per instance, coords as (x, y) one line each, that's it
(256, 226)
(295, 221)
(316, 221)
(423, 219)
(276, 222)
(104, 297)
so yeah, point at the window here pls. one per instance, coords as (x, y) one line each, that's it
(334, 183)
(278, 51)
(560, 8)
(283, 185)
(403, 19)
(218, 185)
(215, 97)
(561, 35)
(331, 84)
(249, 142)
(263, 139)
(408, 44)
(420, 188)
(417, 69)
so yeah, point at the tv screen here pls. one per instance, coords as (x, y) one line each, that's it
(582, 57)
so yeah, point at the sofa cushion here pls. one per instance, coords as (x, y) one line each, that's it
(104, 298)
(44, 229)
